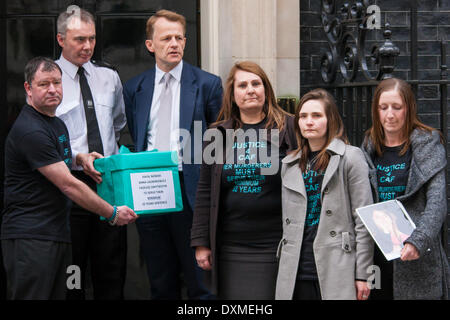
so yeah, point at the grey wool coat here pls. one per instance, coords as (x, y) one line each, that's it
(426, 202)
(343, 248)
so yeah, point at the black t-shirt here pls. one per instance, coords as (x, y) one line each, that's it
(34, 207)
(313, 184)
(392, 172)
(250, 207)
(392, 178)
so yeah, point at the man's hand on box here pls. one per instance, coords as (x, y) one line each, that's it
(86, 160)
(126, 215)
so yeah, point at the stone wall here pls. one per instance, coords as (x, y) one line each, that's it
(263, 31)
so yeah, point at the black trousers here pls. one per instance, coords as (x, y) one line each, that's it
(104, 246)
(307, 290)
(36, 269)
(2, 269)
(165, 244)
(386, 292)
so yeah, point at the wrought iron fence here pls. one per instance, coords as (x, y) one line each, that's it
(347, 29)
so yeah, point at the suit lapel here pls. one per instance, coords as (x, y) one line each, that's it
(337, 148)
(144, 98)
(415, 180)
(331, 169)
(188, 95)
(293, 179)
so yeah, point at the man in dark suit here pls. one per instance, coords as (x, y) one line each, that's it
(172, 96)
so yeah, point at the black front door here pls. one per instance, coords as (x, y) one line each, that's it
(28, 29)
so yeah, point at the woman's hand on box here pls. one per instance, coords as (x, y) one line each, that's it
(86, 160)
(126, 215)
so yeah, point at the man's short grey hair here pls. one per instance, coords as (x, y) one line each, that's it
(77, 13)
(35, 64)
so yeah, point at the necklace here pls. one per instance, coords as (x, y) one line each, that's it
(310, 163)
(308, 166)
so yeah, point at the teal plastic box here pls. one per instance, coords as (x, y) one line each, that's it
(147, 182)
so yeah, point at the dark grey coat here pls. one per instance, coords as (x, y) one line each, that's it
(425, 200)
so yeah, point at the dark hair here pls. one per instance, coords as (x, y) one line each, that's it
(335, 128)
(274, 113)
(376, 132)
(169, 15)
(35, 64)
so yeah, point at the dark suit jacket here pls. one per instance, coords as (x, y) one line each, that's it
(200, 100)
(207, 205)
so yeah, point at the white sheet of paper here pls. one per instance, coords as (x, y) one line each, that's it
(152, 190)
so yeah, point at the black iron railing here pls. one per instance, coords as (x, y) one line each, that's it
(347, 29)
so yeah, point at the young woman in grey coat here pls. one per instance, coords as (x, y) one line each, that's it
(325, 251)
(407, 162)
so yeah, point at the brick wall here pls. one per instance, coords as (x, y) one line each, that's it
(433, 22)
(433, 25)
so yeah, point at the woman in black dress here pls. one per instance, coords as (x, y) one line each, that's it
(237, 216)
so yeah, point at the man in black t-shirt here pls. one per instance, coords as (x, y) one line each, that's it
(35, 230)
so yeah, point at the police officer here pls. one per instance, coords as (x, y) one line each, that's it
(93, 111)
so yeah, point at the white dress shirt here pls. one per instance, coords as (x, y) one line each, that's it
(106, 89)
(175, 84)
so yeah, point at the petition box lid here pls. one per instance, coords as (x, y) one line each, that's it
(127, 160)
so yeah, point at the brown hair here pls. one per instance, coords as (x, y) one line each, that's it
(335, 128)
(169, 15)
(376, 132)
(274, 113)
(39, 63)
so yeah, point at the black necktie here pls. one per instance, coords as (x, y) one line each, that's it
(93, 133)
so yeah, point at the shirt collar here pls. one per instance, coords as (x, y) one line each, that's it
(175, 72)
(72, 69)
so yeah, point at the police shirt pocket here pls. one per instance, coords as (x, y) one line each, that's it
(104, 112)
(105, 100)
(70, 113)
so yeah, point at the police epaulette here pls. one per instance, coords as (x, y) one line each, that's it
(103, 64)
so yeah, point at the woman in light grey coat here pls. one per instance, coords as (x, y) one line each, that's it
(325, 251)
(407, 162)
